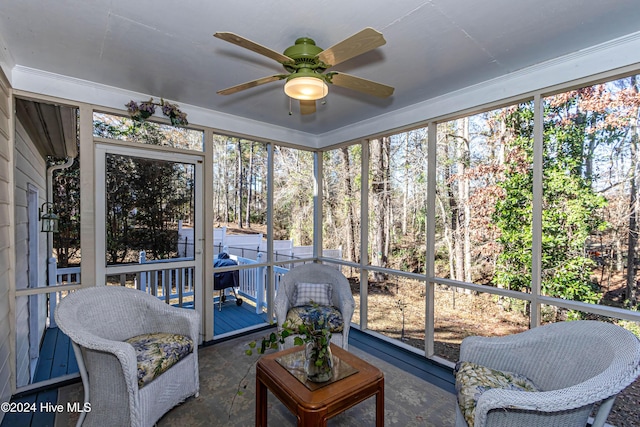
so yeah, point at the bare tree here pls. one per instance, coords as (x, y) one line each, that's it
(250, 186)
(240, 185)
(348, 191)
(634, 175)
(379, 162)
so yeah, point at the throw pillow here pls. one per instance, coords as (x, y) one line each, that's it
(312, 293)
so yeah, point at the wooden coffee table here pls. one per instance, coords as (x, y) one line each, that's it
(315, 407)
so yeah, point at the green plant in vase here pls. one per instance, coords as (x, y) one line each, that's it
(313, 333)
(317, 340)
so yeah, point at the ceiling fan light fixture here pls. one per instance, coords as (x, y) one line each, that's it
(306, 88)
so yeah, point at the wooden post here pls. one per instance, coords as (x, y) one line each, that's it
(142, 277)
(260, 284)
(53, 297)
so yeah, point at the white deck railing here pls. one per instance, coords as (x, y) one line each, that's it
(176, 285)
(167, 283)
(60, 276)
(253, 281)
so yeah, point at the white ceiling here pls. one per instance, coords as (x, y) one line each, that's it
(165, 48)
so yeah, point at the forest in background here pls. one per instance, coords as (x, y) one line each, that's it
(484, 193)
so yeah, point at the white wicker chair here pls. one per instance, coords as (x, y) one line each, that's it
(575, 364)
(98, 320)
(342, 298)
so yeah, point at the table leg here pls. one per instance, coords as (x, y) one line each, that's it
(315, 419)
(261, 403)
(380, 405)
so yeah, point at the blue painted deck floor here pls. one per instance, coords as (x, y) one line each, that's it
(57, 359)
(233, 317)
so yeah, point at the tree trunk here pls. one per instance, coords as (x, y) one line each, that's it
(464, 181)
(389, 220)
(249, 187)
(461, 212)
(405, 192)
(449, 222)
(379, 226)
(447, 234)
(632, 296)
(239, 186)
(227, 180)
(350, 214)
(618, 253)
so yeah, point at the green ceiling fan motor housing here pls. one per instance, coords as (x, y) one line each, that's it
(305, 54)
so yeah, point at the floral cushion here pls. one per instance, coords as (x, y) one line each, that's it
(310, 293)
(158, 352)
(472, 380)
(332, 316)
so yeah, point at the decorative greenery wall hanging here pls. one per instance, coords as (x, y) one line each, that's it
(145, 109)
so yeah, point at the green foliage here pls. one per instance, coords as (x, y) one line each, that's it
(313, 328)
(271, 341)
(66, 198)
(513, 214)
(144, 199)
(143, 110)
(569, 281)
(570, 212)
(633, 327)
(408, 257)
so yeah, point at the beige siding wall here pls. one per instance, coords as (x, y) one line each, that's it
(6, 237)
(29, 175)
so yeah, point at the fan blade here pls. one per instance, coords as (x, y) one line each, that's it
(307, 107)
(253, 83)
(359, 43)
(362, 85)
(253, 46)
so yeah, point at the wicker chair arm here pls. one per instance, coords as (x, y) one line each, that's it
(566, 399)
(346, 304)
(123, 351)
(281, 306)
(497, 352)
(575, 364)
(175, 320)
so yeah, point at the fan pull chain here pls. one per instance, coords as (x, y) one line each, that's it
(290, 113)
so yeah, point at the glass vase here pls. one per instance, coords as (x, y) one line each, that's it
(318, 364)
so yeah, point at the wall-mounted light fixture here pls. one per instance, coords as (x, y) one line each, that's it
(49, 218)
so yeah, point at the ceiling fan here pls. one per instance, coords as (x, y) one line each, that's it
(306, 64)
